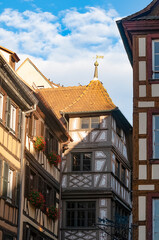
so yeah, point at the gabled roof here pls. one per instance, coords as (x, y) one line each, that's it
(151, 12)
(34, 67)
(80, 99)
(14, 55)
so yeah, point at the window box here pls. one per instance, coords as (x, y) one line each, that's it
(36, 199)
(39, 143)
(54, 159)
(52, 212)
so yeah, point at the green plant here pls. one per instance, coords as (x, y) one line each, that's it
(52, 212)
(36, 199)
(39, 143)
(54, 159)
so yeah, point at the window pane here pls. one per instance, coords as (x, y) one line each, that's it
(156, 121)
(156, 62)
(156, 151)
(86, 161)
(155, 219)
(76, 162)
(81, 218)
(156, 137)
(156, 47)
(95, 122)
(84, 123)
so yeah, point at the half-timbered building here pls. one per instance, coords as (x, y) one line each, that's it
(40, 192)
(140, 34)
(96, 165)
(15, 101)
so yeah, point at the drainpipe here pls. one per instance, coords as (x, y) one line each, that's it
(63, 114)
(22, 175)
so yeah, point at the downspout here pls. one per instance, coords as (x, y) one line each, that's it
(63, 114)
(22, 175)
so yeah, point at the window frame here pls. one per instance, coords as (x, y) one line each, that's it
(90, 122)
(76, 219)
(153, 59)
(151, 113)
(81, 165)
(1, 106)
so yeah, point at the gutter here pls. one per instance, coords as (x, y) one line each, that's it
(22, 175)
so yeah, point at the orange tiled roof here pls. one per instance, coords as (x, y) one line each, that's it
(90, 98)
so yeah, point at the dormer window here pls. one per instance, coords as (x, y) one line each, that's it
(155, 59)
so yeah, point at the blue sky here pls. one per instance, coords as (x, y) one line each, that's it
(63, 37)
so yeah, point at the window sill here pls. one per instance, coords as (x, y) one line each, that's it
(154, 81)
(154, 160)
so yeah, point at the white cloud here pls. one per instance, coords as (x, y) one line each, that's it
(63, 47)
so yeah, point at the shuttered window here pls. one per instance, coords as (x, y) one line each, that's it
(8, 108)
(5, 179)
(1, 106)
(34, 181)
(19, 124)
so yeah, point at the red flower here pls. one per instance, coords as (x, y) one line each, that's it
(39, 143)
(36, 198)
(54, 159)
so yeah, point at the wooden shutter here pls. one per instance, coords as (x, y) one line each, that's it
(36, 182)
(0, 175)
(5, 179)
(8, 107)
(27, 180)
(42, 129)
(47, 141)
(30, 125)
(17, 192)
(20, 124)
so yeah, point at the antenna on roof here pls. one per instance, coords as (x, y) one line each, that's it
(96, 64)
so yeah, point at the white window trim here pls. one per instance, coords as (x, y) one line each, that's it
(153, 58)
(10, 184)
(12, 117)
(1, 105)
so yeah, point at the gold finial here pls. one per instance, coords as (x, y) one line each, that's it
(96, 64)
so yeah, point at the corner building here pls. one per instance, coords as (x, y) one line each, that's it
(96, 165)
(140, 35)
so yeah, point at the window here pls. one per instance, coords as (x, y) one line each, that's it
(155, 59)
(81, 161)
(155, 136)
(7, 237)
(12, 118)
(90, 123)
(117, 168)
(1, 106)
(80, 214)
(123, 174)
(155, 219)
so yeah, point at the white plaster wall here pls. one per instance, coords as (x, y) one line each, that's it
(142, 123)
(142, 208)
(142, 171)
(155, 171)
(142, 70)
(155, 90)
(142, 47)
(146, 187)
(142, 91)
(29, 74)
(142, 149)
(146, 104)
(142, 232)
(5, 54)
(74, 123)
